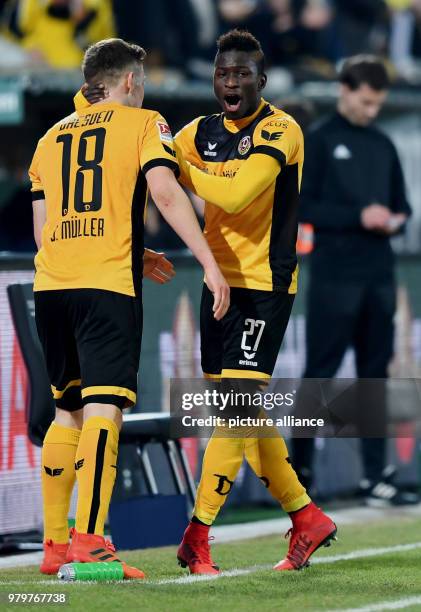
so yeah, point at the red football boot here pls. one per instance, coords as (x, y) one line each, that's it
(194, 550)
(310, 530)
(54, 557)
(90, 548)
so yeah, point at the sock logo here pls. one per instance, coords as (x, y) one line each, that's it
(265, 481)
(221, 484)
(79, 464)
(53, 471)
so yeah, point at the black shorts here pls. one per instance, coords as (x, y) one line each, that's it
(246, 342)
(91, 341)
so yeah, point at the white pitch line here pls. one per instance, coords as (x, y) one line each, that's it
(356, 554)
(397, 604)
(234, 573)
(368, 552)
(257, 529)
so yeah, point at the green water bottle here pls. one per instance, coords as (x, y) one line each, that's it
(99, 572)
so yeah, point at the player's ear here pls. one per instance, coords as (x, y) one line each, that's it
(130, 81)
(262, 81)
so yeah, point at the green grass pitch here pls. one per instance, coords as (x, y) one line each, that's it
(340, 584)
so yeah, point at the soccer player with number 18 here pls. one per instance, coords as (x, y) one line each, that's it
(90, 176)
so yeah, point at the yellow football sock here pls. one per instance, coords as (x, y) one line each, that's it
(268, 457)
(221, 462)
(96, 467)
(58, 478)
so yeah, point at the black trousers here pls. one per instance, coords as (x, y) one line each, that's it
(342, 315)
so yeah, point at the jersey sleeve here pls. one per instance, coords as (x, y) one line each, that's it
(157, 145)
(185, 148)
(184, 142)
(37, 188)
(233, 194)
(279, 137)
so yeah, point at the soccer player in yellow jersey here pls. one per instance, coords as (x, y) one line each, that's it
(246, 163)
(90, 175)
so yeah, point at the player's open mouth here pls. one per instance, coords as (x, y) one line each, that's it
(232, 103)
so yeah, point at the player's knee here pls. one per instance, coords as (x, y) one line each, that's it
(107, 411)
(66, 418)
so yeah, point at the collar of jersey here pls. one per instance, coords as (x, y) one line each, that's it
(235, 125)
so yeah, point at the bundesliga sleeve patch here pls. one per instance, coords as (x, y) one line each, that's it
(164, 131)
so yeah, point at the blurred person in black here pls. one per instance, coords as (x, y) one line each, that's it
(353, 194)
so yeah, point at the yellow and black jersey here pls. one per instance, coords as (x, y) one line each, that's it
(90, 169)
(255, 246)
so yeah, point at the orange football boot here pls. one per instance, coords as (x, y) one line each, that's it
(310, 530)
(54, 557)
(91, 548)
(194, 550)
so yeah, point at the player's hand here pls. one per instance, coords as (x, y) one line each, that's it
(220, 289)
(94, 93)
(376, 217)
(157, 268)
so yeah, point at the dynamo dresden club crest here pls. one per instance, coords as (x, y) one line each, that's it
(244, 146)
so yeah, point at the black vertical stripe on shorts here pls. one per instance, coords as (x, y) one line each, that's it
(99, 467)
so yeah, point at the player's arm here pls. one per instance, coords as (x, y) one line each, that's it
(401, 208)
(158, 162)
(234, 194)
(277, 142)
(39, 210)
(397, 214)
(177, 210)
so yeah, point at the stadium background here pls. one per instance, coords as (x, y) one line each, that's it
(305, 39)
